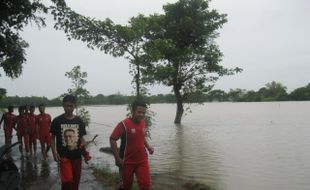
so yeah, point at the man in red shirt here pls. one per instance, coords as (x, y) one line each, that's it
(8, 120)
(22, 130)
(135, 158)
(32, 134)
(43, 130)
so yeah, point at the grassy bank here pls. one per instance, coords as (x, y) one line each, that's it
(108, 177)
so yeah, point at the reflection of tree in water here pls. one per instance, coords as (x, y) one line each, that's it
(195, 157)
(35, 174)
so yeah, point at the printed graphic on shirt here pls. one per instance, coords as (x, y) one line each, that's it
(70, 133)
(133, 130)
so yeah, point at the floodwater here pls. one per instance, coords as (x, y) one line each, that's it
(231, 146)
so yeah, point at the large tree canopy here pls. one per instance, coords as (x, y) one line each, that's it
(14, 15)
(176, 48)
(115, 39)
(182, 49)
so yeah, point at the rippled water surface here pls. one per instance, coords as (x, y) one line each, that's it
(234, 146)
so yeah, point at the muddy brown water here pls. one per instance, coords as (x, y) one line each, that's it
(231, 146)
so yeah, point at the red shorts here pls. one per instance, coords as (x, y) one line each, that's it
(20, 132)
(142, 172)
(46, 138)
(70, 173)
(8, 132)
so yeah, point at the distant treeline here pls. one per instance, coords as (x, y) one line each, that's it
(271, 92)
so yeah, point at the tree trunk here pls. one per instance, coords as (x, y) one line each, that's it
(179, 114)
(180, 109)
(138, 81)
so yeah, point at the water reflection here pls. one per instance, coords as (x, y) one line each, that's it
(45, 169)
(193, 157)
(28, 170)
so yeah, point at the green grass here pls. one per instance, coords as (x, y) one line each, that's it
(111, 178)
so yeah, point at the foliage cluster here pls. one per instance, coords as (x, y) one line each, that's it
(111, 178)
(14, 15)
(78, 79)
(176, 49)
(271, 92)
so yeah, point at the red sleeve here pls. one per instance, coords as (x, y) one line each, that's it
(117, 132)
(50, 119)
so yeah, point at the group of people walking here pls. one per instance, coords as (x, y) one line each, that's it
(65, 135)
(29, 127)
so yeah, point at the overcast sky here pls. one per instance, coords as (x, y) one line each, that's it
(269, 39)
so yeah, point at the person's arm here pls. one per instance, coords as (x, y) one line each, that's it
(118, 161)
(2, 118)
(118, 131)
(54, 151)
(15, 123)
(37, 128)
(82, 142)
(147, 146)
(37, 131)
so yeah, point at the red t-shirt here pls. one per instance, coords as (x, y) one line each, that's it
(44, 122)
(32, 122)
(134, 142)
(22, 124)
(9, 121)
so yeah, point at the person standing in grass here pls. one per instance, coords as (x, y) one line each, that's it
(135, 158)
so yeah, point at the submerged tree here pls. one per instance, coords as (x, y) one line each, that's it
(176, 49)
(183, 51)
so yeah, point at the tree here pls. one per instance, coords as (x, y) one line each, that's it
(252, 96)
(2, 93)
(273, 92)
(236, 94)
(127, 41)
(216, 95)
(302, 93)
(176, 49)
(183, 52)
(119, 41)
(78, 79)
(14, 15)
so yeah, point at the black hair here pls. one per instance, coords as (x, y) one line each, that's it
(137, 103)
(10, 108)
(21, 108)
(41, 105)
(69, 98)
(67, 130)
(32, 106)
